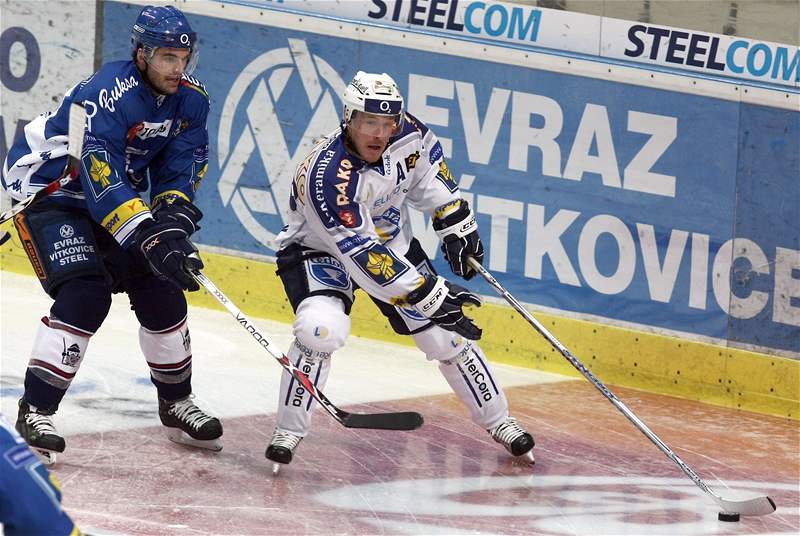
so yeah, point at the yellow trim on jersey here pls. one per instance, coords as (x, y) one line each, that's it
(170, 193)
(120, 215)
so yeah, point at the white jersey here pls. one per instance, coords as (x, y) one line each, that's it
(358, 212)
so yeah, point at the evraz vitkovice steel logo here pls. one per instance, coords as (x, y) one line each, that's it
(255, 159)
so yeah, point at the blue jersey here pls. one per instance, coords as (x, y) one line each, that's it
(135, 140)
(30, 500)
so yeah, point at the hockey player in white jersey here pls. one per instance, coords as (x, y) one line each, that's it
(348, 228)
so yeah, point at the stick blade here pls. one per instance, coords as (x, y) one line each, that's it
(757, 506)
(404, 420)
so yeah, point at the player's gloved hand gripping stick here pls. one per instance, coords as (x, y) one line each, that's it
(406, 420)
(756, 506)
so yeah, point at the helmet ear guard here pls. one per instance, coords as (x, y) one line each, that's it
(372, 93)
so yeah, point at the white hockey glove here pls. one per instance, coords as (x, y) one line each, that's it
(442, 303)
(459, 234)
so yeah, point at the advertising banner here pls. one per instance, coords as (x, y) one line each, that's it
(496, 22)
(592, 196)
(526, 26)
(701, 52)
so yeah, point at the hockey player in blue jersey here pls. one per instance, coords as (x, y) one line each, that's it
(30, 497)
(348, 228)
(145, 130)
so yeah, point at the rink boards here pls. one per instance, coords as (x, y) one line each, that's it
(652, 215)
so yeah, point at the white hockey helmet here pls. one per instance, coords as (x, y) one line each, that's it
(372, 93)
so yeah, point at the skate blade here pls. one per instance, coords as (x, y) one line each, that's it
(182, 438)
(47, 457)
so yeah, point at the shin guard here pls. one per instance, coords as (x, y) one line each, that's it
(296, 404)
(57, 354)
(471, 378)
(169, 356)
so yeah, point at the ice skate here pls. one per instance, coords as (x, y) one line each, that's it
(189, 425)
(37, 428)
(281, 448)
(514, 438)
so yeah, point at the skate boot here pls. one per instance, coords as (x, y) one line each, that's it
(514, 438)
(281, 448)
(189, 425)
(37, 428)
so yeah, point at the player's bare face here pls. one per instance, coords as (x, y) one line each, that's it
(370, 134)
(164, 68)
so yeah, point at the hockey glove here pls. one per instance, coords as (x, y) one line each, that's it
(167, 248)
(442, 303)
(183, 212)
(459, 234)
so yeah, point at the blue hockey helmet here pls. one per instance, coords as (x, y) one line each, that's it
(164, 27)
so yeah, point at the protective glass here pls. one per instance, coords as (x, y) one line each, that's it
(381, 126)
(172, 61)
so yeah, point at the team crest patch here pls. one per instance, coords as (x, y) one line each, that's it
(96, 165)
(380, 264)
(329, 272)
(99, 171)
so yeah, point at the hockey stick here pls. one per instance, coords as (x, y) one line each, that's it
(757, 506)
(77, 124)
(406, 420)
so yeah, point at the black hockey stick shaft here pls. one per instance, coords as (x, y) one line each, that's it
(406, 420)
(77, 123)
(751, 507)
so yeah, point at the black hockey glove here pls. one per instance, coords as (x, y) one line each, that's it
(166, 246)
(459, 234)
(442, 302)
(178, 209)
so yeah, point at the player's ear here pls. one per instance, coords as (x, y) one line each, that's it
(140, 61)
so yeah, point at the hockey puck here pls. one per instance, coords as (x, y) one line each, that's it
(726, 516)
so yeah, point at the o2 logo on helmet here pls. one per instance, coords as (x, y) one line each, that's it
(184, 39)
(66, 231)
(384, 106)
(257, 191)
